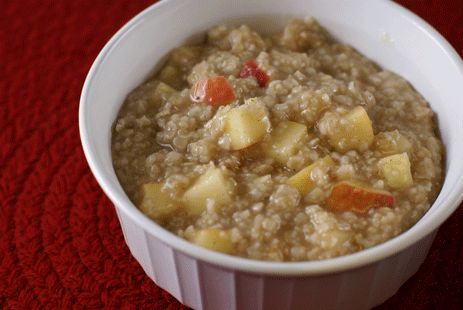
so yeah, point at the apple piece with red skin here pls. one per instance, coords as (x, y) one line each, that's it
(350, 196)
(214, 91)
(250, 68)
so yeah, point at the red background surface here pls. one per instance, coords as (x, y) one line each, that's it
(61, 245)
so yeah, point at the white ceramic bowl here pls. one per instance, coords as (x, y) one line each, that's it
(382, 30)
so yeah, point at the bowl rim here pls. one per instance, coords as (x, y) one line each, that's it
(424, 227)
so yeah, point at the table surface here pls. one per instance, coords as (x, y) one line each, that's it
(61, 245)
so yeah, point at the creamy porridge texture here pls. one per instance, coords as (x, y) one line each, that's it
(289, 147)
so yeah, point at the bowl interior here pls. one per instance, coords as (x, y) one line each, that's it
(383, 31)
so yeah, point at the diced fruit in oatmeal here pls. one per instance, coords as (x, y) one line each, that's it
(161, 92)
(250, 68)
(213, 239)
(170, 75)
(182, 56)
(246, 125)
(279, 143)
(214, 91)
(284, 141)
(154, 202)
(395, 170)
(352, 131)
(212, 185)
(350, 196)
(301, 35)
(304, 180)
(391, 142)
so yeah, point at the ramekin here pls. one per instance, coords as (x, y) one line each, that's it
(382, 30)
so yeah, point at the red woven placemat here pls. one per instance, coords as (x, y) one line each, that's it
(61, 245)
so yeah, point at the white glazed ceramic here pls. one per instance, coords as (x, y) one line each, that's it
(382, 30)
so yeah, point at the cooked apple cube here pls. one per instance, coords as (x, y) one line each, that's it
(171, 75)
(350, 196)
(214, 91)
(162, 92)
(284, 140)
(156, 203)
(352, 131)
(185, 55)
(392, 142)
(246, 124)
(396, 170)
(214, 185)
(304, 180)
(214, 239)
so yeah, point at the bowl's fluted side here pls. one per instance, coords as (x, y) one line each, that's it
(202, 285)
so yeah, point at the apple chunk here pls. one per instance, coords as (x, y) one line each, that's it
(352, 131)
(214, 91)
(349, 196)
(396, 170)
(162, 92)
(246, 124)
(213, 239)
(304, 180)
(214, 185)
(284, 140)
(154, 202)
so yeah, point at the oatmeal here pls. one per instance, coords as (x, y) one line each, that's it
(289, 147)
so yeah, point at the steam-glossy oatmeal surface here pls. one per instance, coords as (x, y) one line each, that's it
(286, 148)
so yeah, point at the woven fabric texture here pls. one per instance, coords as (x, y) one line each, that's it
(61, 246)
